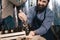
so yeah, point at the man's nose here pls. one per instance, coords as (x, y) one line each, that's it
(40, 3)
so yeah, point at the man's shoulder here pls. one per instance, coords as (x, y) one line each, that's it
(49, 11)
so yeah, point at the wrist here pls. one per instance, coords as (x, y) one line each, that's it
(34, 32)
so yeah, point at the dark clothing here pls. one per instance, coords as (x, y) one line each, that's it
(36, 23)
(41, 22)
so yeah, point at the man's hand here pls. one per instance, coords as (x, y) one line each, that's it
(35, 37)
(22, 16)
(32, 33)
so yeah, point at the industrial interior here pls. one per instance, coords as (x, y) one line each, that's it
(11, 27)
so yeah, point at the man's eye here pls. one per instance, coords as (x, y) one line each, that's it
(44, 1)
(39, 0)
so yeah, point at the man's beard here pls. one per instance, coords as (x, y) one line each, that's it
(40, 9)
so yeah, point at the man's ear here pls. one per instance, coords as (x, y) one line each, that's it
(17, 2)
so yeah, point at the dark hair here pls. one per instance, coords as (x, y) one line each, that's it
(47, 0)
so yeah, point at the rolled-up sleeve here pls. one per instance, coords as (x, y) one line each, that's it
(46, 23)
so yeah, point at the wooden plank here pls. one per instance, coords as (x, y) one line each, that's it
(15, 37)
(12, 34)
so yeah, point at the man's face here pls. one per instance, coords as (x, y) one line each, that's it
(41, 5)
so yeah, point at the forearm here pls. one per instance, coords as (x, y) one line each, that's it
(40, 31)
(45, 26)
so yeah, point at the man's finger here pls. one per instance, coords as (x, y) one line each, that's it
(20, 11)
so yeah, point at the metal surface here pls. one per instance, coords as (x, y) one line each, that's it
(15, 16)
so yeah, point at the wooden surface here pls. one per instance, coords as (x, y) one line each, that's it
(20, 36)
(24, 37)
(12, 34)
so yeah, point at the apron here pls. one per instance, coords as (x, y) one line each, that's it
(36, 23)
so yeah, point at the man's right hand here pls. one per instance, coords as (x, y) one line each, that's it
(22, 16)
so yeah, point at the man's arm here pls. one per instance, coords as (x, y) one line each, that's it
(46, 24)
(17, 2)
